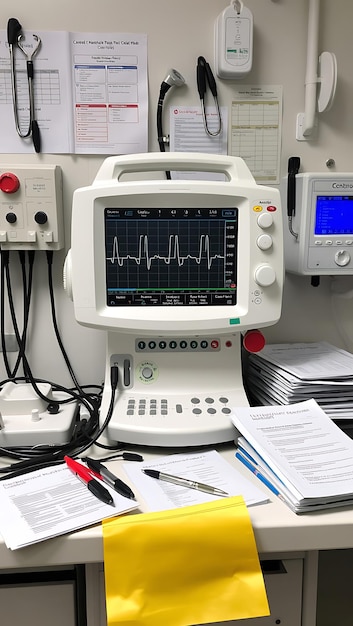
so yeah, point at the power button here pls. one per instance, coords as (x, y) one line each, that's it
(9, 182)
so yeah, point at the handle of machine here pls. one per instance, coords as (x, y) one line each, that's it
(233, 167)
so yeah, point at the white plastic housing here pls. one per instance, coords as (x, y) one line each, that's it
(258, 299)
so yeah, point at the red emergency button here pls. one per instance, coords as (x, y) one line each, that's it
(9, 182)
(253, 341)
(214, 344)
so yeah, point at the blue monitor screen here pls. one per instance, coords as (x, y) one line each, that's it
(334, 215)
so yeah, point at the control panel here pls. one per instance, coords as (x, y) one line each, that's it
(321, 241)
(31, 208)
(192, 404)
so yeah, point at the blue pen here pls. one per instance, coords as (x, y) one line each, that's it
(253, 461)
(260, 476)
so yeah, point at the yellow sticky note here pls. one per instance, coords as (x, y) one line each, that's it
(180, 567)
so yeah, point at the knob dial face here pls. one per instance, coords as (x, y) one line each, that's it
(265, 220)
(265, 275)
(11, 218)
(342, 258)
(41, 217)
(264, 242)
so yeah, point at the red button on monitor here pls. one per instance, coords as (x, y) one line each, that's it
(214, 344)
(271, 208)
(253, 341)
(9, 182)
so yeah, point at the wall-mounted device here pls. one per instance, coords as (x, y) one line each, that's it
(320, 238)
(175, 272)
(31, 207)
(234, 41)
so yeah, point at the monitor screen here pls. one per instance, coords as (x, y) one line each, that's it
(334, 215)
(174, 258)
(171, 256)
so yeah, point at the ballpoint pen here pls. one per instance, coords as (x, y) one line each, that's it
(185, 482)
(106, 476)
(258, 474)
(87, 477)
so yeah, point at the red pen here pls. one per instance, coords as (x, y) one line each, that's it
(87, 476)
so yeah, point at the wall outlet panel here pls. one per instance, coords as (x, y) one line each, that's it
(31, 207)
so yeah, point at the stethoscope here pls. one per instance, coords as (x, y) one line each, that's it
(204, 76)
(15, 37)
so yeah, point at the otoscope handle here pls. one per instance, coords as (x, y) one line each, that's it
(13, 28)
(293, 169)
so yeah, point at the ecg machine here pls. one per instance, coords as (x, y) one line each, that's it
(175, 272)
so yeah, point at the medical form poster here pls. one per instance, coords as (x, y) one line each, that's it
(90, 93)
(256, 128)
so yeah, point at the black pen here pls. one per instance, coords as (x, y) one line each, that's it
(185, 482)
(87, 477)
(107, 477)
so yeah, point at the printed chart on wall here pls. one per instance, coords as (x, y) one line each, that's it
(187, 134)
(90, 93)
(256, 128)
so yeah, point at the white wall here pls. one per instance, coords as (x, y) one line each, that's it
(178, 32)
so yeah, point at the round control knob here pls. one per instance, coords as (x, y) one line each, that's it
(9, 182)
(265, 220)
(253, 341)
(41, 217)
(342, 258)
(264, 242)
(11, 218)
(265, 275)
(147, 372)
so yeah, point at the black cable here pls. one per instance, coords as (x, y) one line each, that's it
(173, 79)
(4, 262)
(114, 373)
(85, 429)
(161, 139)
(27, 292)
(56, 456)
(55, 324)
(12, 308)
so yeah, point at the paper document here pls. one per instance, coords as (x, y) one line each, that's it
(187, 134)
(90, 93)
(256, 125)
(207, 467)
(310, 361)
(293, 372)
(303, 449)
(51, 502)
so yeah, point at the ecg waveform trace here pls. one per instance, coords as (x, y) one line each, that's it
(173, 252)
(162, 254)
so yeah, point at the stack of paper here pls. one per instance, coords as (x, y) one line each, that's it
(50, 502)
(298, 451)
(293, 372)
